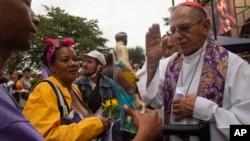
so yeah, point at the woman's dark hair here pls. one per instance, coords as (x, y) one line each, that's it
(44, 56)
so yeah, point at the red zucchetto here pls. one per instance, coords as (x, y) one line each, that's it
(192, 3)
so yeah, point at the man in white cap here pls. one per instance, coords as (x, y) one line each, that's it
(95, 87)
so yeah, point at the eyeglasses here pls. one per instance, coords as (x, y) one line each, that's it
(184, 28)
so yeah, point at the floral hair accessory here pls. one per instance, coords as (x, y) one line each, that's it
(68, 42)
(55, 43)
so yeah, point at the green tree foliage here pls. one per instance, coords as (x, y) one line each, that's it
(166, 23)
(58, 24)
(137, 55)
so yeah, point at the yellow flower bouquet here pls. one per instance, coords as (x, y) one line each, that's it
(111, 108)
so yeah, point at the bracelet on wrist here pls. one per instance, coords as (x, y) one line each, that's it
(152, 69)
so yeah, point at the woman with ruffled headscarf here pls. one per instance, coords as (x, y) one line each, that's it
(42, 107)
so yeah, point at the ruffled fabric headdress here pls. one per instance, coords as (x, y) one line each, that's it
(55, 43)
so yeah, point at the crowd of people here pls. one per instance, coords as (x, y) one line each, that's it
(189, 78)
(19, 83)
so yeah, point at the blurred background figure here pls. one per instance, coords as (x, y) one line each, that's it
(35, 78)
(3, 80)
(26, 86)
(168, 46)
(136, 67)
(108, 69)
(26, 79)
(45, 72)
(20, 91)
(12, 84)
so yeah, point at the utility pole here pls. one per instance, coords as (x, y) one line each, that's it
(213, 19)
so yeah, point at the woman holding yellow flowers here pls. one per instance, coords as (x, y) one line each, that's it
(42, 106)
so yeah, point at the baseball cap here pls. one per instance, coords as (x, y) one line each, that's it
(98, 55)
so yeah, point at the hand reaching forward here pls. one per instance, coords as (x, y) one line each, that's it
(153, 45)
(106, 123)
(149, 125)
(183, 107)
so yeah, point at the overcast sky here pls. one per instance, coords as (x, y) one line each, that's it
(131, 16)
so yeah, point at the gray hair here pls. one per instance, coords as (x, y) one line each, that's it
(197, 12)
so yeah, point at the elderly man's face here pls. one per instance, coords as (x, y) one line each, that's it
(188, 32)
